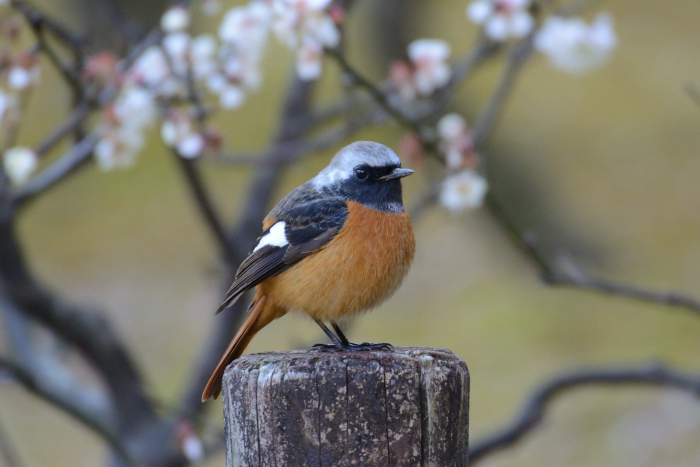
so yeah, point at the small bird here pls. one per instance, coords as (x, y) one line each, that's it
(338, 245)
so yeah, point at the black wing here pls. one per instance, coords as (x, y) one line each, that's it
(308, 228)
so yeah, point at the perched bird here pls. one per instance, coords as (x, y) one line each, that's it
(334, 247)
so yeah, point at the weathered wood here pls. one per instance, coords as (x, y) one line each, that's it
(406, 407)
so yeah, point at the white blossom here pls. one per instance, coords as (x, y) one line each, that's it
(118, 147)
(177, 18)
(20, 77)
(135, 108)
(309, 60)
(193, 449)
(246, 26)
(465, 189)
(502, 19)
(177, 46)
(123, 126)
(151, 69)
(202, 55)
(19, 163)
(426, 71)
(306, 26)
(574, 46)
(178, 132)
(430, 70)
(451, 126)
(191, 146)
(456, 142)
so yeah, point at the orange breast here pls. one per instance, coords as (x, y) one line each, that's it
(361, 267)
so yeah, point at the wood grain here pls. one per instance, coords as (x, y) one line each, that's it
(406, 407)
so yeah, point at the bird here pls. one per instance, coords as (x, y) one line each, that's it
(334, 247)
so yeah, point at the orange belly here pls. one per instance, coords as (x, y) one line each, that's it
(360, 268)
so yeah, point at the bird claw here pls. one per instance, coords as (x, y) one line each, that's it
(350, 347)
(367, 347)
(326, 348)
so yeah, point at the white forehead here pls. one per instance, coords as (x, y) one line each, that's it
(359, 153)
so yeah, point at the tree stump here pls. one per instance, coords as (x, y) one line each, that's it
(406, 407)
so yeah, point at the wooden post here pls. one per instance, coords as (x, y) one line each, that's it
(406, 407)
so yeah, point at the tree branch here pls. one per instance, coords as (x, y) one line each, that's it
(87, 330)
(34, 384)
(493, 109)
(71, 161)
(536, 406)
(569, 274)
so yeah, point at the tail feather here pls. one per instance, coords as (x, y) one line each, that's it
(243, 337)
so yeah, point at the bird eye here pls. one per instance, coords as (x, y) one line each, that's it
(361, 173)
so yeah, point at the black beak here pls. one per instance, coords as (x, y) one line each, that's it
(397, 173)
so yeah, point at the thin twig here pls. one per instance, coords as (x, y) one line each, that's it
(60, 31)
(482, 51)
(71, 161)
(65, 128)
(568, 274)
(584, 282)
(487, 118)
(372, 90)
(536, 406)
(37, 22)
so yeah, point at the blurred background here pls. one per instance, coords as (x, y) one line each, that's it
(604, 167)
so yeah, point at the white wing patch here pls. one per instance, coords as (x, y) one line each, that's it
(274, 237)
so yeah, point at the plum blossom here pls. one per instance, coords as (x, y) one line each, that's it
(246, 26)
(19, 163)
(175, 19)
(123, 126)
(430, 70)
(164, 70)
(152, 71)
(456, 142)
(23, 72)
(574, 46)
(465, 189)
(135, 108)
(426, 71)
(306, 26)
(502, 19)
(178, 132)
(244, 33)
(202, 55)
(118, 147)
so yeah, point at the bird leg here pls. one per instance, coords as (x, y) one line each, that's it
(336, 346)
(348, 346)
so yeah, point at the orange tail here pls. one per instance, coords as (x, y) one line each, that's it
(255, 322)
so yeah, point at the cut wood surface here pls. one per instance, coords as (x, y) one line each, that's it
(405, 407)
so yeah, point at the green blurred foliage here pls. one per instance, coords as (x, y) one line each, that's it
(604, 166)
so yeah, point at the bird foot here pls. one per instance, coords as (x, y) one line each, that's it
(350, 347)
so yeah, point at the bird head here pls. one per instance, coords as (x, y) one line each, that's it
(365, 172)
